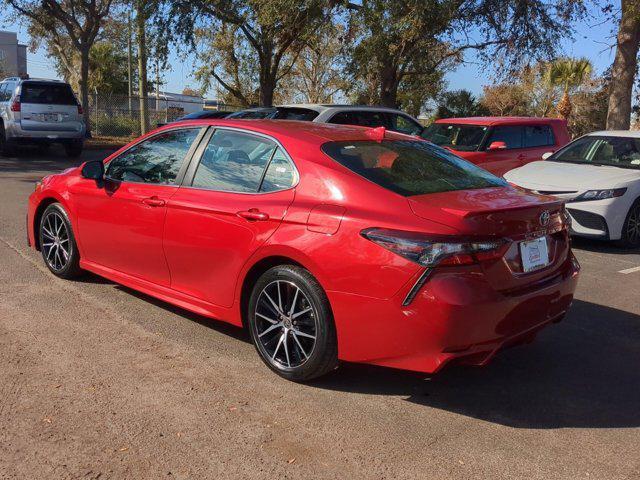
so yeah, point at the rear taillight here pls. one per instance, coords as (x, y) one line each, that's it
(80, 111)
(15, 105)
(429, 251)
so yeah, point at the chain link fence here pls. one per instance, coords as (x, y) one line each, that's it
(113, 115)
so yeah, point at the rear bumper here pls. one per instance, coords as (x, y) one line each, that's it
(15, 133)
(457, 315)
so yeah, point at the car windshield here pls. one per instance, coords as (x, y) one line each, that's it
(595, 150)
(47, 93)
(464, 138)
(410, 167)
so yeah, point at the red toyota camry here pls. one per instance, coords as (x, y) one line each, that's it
(326, 242)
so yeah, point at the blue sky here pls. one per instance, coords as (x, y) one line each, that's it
(592, 39)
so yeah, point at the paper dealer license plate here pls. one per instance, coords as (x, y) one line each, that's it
(534, 254)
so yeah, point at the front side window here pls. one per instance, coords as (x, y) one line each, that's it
(410, 167)
(511, 136)
(538, 136)
(615, 151)
(234, 162)
(155, 160)
(464, 138)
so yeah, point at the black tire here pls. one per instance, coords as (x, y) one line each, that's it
(57, 243)
(288, 349)
(631, 228)
(73, 148)
(6, 149)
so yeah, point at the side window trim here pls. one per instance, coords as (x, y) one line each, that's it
(190, 173)
(185, 163)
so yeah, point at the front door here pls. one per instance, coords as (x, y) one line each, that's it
(231, 203)
(121, 220)
(513, 156)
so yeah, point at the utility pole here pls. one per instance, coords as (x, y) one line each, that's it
(129, 65)
(141, 20)
(157, 86)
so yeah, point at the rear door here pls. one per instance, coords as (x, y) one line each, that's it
(538, 140)
(49, 106)
(233, 198)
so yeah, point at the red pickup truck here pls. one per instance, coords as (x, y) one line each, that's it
(499, 144)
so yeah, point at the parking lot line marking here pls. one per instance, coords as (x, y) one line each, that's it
(630, 270)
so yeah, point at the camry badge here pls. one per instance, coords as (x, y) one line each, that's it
(544, 218)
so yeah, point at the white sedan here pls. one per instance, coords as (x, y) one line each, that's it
(598, 175)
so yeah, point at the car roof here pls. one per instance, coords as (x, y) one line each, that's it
(616, 133)
(295, 130)
(489, 121)
(319, 107)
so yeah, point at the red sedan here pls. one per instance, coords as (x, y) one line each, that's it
(327, 242)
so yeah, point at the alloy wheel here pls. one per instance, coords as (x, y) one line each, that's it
(56, 244)
(286, 324)
(633, 226)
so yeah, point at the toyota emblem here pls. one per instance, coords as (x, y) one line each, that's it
(544, 218)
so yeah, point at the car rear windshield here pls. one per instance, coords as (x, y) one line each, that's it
(621, 152)
(410, 167)
(464, 138)
(47, 93)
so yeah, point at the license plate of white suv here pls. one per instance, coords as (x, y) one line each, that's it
(534, 254)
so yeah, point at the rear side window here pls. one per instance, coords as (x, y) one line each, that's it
(156, 160)
(233, 162)
(291, 113)
(361, 118)
(511, 136)
(47, 93)
(280, 173)
(538, 136)
(410, 167)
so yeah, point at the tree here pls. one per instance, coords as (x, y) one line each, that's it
(505, 99)
(274, 30)
(142, 14)
(625, 66)
(399, 39)
(568, 74)
(68, 24)
(317, 76)
(459, 103)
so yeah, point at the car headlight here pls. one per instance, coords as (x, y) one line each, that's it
(600, 194)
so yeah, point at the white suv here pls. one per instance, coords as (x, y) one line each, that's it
(40, 112)
(361, 115)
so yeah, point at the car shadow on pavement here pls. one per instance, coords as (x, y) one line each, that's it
(28, 160)
(602, 246)
(581, 373)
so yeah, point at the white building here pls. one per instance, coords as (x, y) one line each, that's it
(13, 55)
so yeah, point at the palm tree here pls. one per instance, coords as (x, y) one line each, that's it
(568, 73)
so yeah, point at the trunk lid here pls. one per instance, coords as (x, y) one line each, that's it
(508, 213)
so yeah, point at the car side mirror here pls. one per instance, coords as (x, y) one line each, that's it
(93, 170)
(497, 146)
(546, 155)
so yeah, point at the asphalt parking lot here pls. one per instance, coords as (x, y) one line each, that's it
(98, 381)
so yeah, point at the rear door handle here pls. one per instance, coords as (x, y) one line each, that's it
(153, 201)
(254, 215)
(522, 156)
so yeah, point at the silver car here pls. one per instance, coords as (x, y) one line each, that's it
(40, 112)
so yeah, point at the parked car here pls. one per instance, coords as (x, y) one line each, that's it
(326, 242)
(361, 115)
(200, 114)
(40, 112)
(598, 175)
(499, 144)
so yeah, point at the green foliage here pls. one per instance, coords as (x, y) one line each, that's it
(459, 103)
(108, 68)
(117, 125)
(569, 73)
